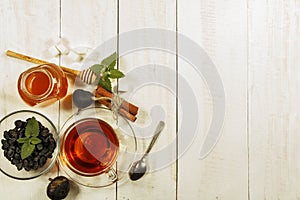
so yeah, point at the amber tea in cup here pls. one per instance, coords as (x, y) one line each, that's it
(90, 147)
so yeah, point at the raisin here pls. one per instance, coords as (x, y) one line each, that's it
(30, 163)
(14, 134)
(18, 149)
(25, 163)
(6, 135)
(35, 165)
(44, 132)
(39, 146)
(19, 166)
(17, 156)
(42, 161)
(19, 124)
(10, 153)
(15, 161)
(27, 168)
(5, 144)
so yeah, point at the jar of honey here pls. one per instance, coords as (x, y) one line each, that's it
(42, 83)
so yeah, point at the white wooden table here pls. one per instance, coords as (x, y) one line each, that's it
(254, 45)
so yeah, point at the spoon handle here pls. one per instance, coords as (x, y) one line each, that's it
(157, 132)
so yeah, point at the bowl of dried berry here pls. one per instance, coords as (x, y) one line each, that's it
(29, 144)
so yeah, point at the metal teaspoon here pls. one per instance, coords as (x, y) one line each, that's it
(139, 167)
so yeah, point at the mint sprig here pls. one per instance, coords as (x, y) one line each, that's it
(32, 130)
(110, 61)
(106, 71)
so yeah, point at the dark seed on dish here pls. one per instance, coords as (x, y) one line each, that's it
(35, 154)
(18, 150)
(17, 156)
(12, 148)
(35, 166)
(10, 153)
(36, 159)
(25, 163)
(6, 135)
(15, 161)
(39, 146)
(19, 166)
(30, 163)
(5, 144)
(27, 168)
(14, 134)
(19, 124)
(42, 161)
(45, 132)
(10, 142)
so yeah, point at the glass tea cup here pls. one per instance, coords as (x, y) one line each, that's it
(97, 150)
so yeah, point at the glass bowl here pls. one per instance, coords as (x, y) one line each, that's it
(78, 152)
(7, 123)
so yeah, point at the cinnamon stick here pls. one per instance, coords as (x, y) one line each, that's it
(122, 111)
(132, 109)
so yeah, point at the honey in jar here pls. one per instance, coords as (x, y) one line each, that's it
(42, 83)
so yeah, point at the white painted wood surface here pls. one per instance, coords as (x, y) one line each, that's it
(139, 14)
(273, 99)
(221, 30)
(254, 45)
(26, 27)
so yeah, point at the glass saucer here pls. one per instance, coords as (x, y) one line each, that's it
(126, 152)
(7, 123)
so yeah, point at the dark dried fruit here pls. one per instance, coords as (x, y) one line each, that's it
(12, 148)
(19, 124)
(58, 188)
(5, 144)
(42, 161)
(39, 146)
(19, 166)
(6, 135)
(45, 132)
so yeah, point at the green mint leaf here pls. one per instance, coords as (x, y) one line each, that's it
(97, 69)
(110, 61)
(105, 75)
(32, 128)
(105, 83)
(26, 150)
(35, 140)
(23, 140)
(114, 73)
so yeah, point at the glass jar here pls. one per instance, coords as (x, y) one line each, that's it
(42, 83)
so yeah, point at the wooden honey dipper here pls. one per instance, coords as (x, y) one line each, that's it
(87, 75)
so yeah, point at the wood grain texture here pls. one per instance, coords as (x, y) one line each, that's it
(220, 28)
(274, 96)
(86, 24)
(25, 28)
(160, 183)
(254, 45)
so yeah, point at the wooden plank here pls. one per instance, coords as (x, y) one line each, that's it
(220, 28)
(160, 182)
(86, 25)
(274, 95)
(26, 26)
